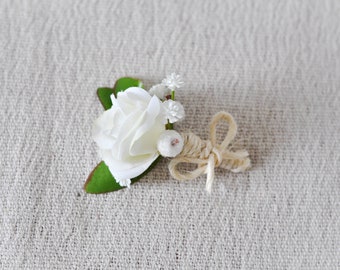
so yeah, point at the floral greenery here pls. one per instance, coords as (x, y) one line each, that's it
(101, 180)
(121, 85)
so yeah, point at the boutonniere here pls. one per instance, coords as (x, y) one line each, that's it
(137, 129)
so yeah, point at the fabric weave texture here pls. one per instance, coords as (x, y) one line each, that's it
(274, 65)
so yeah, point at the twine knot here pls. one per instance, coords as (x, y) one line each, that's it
(208, 154)
(217, 156)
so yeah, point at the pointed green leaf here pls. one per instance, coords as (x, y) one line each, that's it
(101, 180)
(104, 94)
(124, 83)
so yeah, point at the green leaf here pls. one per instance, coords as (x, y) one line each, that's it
(124, 83)
(104, 93)
(101, 180)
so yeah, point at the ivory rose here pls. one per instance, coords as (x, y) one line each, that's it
(127, 133)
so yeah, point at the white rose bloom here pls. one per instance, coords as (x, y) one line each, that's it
(174, 111)
(128, 132)
(160, 91)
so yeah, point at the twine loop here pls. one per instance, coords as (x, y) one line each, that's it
(208, 154)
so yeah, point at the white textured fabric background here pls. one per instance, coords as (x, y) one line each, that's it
(275, 65)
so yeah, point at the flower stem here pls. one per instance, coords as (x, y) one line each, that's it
(170, 125)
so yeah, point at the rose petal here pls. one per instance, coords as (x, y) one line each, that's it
(101, 128)
(146, 136)
(127, 133)
(134, 94)
(129, 168)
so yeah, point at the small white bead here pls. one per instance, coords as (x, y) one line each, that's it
(170, 143)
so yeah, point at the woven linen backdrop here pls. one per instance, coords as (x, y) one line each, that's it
(274, 65)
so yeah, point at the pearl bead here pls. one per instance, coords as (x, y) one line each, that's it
(170, 143)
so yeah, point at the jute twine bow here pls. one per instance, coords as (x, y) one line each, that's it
(208, 154)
